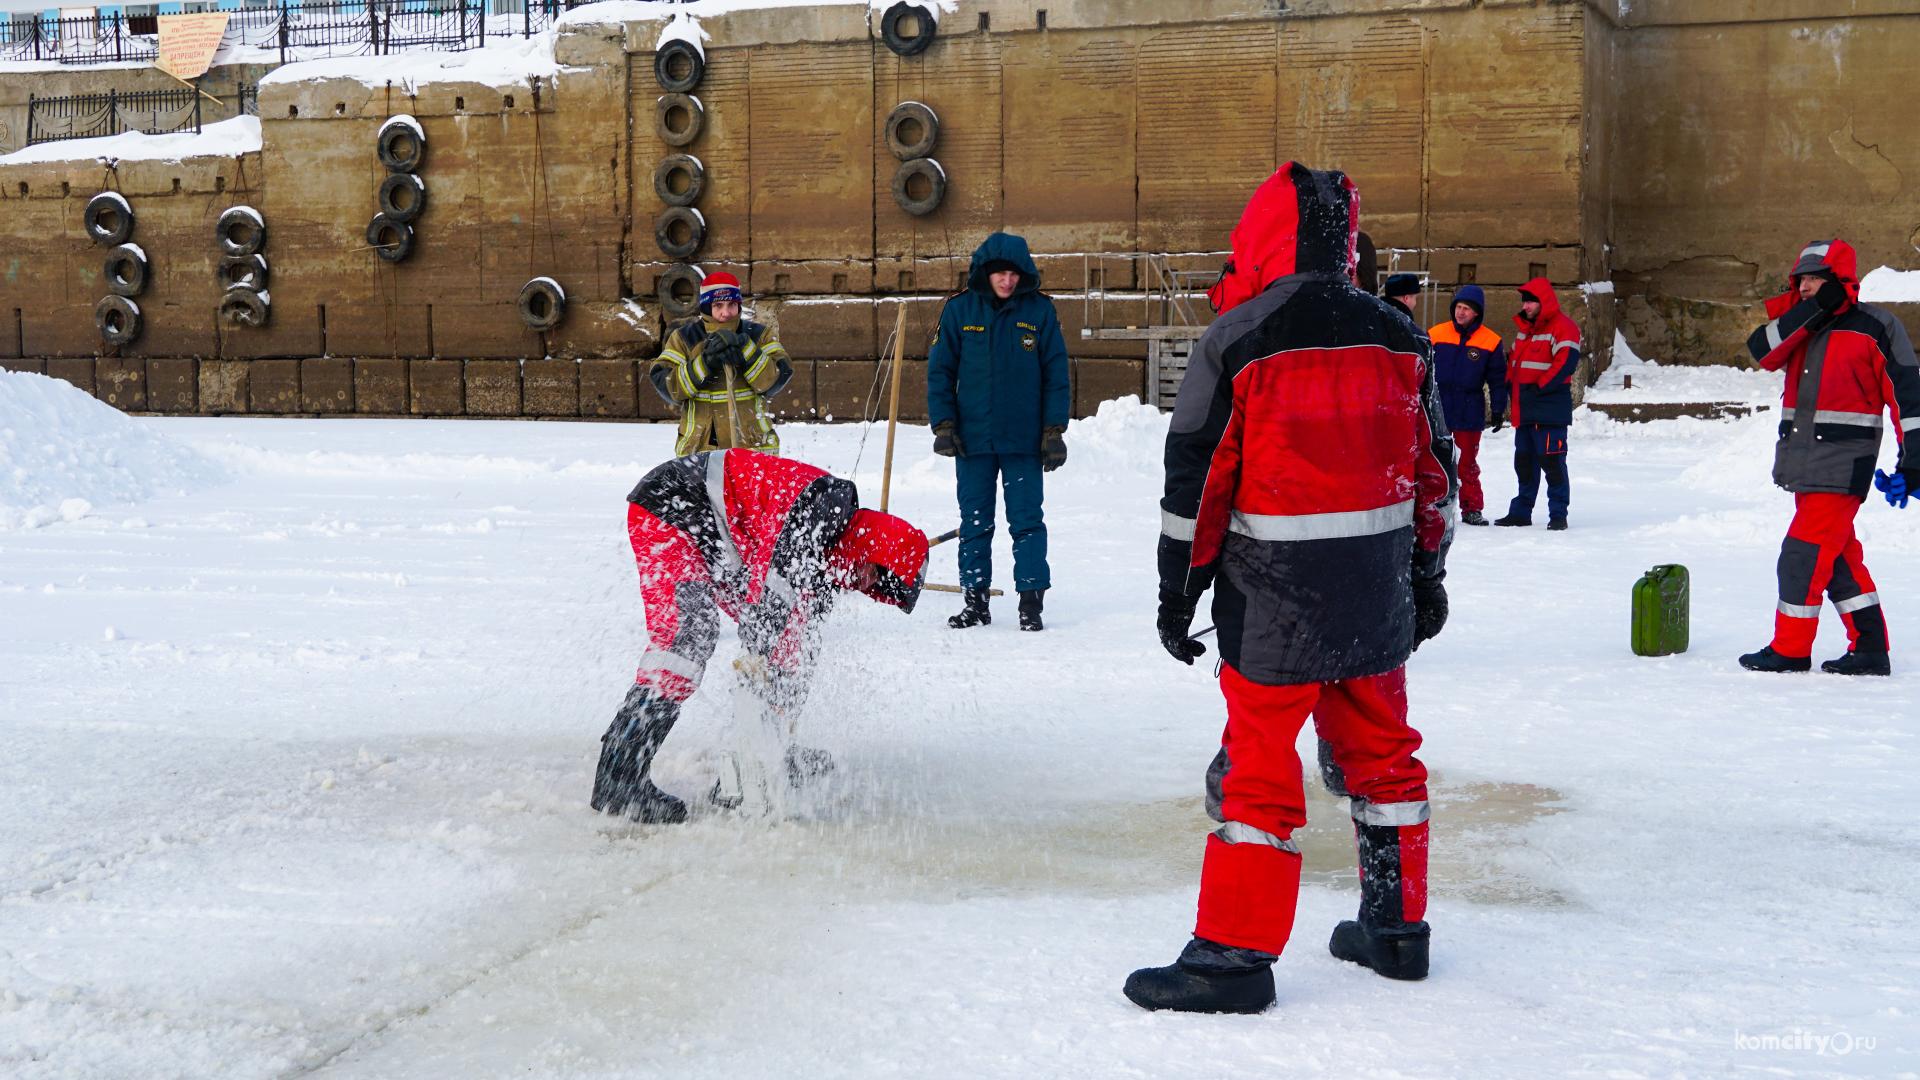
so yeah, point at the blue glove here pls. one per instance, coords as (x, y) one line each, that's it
(1895, 487)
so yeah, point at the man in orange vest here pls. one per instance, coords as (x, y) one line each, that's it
(1467, 357)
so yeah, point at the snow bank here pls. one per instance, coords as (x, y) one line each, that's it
(61, 451)
(1889, 286)
(511, 63)
(226, 138)
(1679, 382)
(1122, 440)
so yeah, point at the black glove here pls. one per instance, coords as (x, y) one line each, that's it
(723, 347)
(1499, 421)
(1053, 448)
(1429, 605)
(1831, 296)
(1176, 618)
(946, 442)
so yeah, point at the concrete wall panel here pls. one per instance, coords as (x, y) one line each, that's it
(273, 386)
(811, 174)
(326, 385)
(173, 385)
(1068, 165)
(959, 79)
(380, 387)
(1352, 96)
(1207, 130)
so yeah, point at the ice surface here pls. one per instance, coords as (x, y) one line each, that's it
(298, 814)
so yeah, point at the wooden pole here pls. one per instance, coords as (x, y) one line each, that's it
(893, 410)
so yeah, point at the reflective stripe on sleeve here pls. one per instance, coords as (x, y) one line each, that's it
(717, 496)
(1800, 611)
(1865, 599)
(1393, 813)
(1857, 419)
(1561, 346)
(1176, 527)
(1239, 832)
(1535, 365)
(1909, 423)
(1773, 335)
(1323, 526)
(672, 663)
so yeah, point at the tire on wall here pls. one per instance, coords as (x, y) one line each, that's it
(109, 218)
(401, 144)
(247, 272)
(125, 270)
(687, 166)
(912, 129)
(241, 306)
(671, 302)
(901, 44)
(402, 196)
(391, 240)
(678, 118)
(678, 67)
(118, 320)
(680, 231)
(543, 303)
(240, 231)
(919, 186)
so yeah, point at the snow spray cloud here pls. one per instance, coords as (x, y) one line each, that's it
(1839, 1043)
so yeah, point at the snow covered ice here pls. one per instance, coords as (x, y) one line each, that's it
(301, 718)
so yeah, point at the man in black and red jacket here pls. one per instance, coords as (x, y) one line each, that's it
(1310, 485)
(766, 541)
(1846, 363)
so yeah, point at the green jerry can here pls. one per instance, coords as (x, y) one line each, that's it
(1660, 611)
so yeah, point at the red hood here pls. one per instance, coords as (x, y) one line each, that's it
(897, 548)
(1300, 220)
(1835, 255)
(1549, 304)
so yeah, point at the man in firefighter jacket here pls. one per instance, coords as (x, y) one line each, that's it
(720, 370)
(1546, 353)
(768, 542)
(1846, 364)
(1469, 360)
(1309, 485)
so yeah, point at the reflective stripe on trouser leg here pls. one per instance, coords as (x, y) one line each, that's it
(1857, 601)
(1393, 871)
(1821, 533)
(1248, 893)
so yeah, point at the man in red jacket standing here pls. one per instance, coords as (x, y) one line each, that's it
(1309, 484)
(770, 543)
(1846, 364)
(1546, 353)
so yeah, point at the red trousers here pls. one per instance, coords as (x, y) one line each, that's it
(1471, 496)
(1250, 881)
(1821, 557)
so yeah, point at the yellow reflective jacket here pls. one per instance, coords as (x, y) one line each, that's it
(709, 410)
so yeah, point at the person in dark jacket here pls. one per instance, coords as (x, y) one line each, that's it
(1403, 291)
(997, 397)
(1470, 364)
(1309, 486)
(1546, 353)
(1846, 364)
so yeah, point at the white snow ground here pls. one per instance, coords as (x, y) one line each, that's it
(296, 772)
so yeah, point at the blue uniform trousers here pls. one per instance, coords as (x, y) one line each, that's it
(1539, 448)
(1020, 477)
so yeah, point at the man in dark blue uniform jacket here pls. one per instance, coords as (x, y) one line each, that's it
(997, 396)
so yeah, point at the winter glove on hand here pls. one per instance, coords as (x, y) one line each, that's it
(1176, 618)
(1499, 421)
(1831, 296)
(946, 442)
(1053, 448)
(723, 348)
(1429, 606)
(1898, 487)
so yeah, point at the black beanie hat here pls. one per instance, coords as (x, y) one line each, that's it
(1402, 285)
(998, 266)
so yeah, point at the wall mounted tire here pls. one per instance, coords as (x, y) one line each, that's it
(109, 219)
(391, 240)
(543, 303)
(243, 272)
(680, 232)
(907, 119)
(674, 306)
(900, 43)
(696, 179)
(682, 57)
(401, 144)
(118, 320)
(925, 177)
(669, 104)
(240, 232)
(125, 270)
(402, 196)
(241, 306)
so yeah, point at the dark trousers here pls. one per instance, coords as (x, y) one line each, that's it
(1539, 448)
(1020, 477)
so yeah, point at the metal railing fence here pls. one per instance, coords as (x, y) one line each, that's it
(85, 116)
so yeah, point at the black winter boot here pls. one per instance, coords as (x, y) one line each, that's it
(1030, 603)
(1768, 660)
(1557, 524)
(621, 784)
(974, 614)
(1208, 978)
(1859, 662)
(1382, 938)
(1473, 517)
(1400, 953)
(1513, 518)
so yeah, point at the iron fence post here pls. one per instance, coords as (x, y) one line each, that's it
(283, 31)
(113, 110)
(36, 34)
(29, 141)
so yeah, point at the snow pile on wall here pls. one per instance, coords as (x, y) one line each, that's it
(506, 64)
(227, 138)
(61, 451)
(1889, 286)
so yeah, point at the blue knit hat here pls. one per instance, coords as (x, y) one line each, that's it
(1471, 296)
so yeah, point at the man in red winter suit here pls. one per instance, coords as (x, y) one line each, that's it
(1309, 484)
(769, 542)
(1846, 364)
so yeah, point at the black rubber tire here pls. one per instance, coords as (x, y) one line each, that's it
(125, 271)
(391, 240)
(675, 53)
(118, 320)
(671, 305)
(696, 179)
(243, 271)
(667, 103)
(936, 178)
(696, 232)
(108, 220)
(243, 307)
(907, 46)
(400, 149)
(401, 186)
(238, 233)
(920, 115)
(542, 304)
